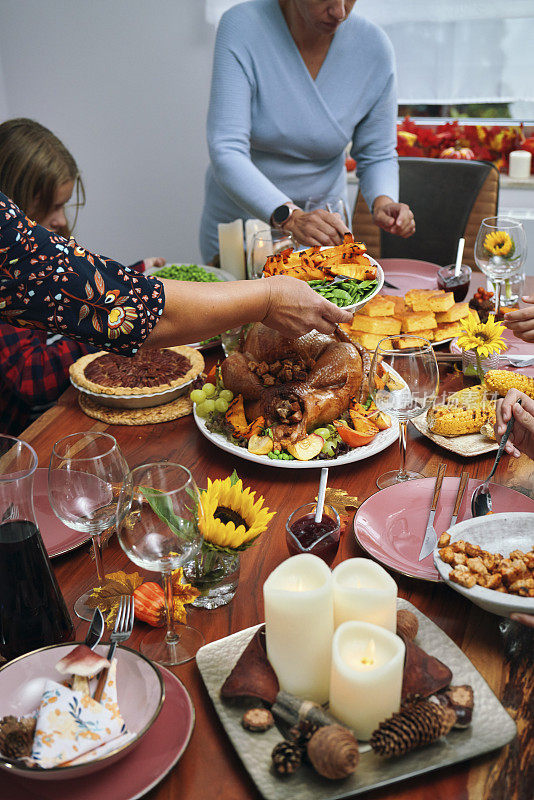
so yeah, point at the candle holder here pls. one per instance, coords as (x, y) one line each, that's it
(304, 535)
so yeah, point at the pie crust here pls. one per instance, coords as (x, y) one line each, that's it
(79, 379)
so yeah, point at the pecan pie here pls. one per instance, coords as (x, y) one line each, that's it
(150, 371)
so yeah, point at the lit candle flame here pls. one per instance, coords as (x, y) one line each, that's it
(368, 658)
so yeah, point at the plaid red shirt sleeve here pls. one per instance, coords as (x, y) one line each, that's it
(51, 284)
(32, 373)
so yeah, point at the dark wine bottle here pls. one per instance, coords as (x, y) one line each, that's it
(32, 609)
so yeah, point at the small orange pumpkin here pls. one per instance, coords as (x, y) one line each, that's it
(149, 603)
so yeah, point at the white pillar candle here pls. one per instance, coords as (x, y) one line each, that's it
(519, 164)
(365, 592)
(232, 248)
(366, 676)
(299, 624)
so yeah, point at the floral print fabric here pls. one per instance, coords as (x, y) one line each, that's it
(49, 283)
(71, 724)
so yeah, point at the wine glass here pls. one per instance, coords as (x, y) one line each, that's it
(85, 478)
(500, 251)
(403, 383)
(267, 243)
(333, 204)
(157, 526)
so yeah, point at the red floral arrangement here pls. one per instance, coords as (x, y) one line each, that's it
(452, 140)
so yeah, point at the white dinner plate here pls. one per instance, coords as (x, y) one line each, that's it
(382, 440)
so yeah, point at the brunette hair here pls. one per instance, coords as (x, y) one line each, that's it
(33, 164)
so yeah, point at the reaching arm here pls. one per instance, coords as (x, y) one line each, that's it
(51, 284)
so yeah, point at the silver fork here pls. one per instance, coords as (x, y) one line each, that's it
(122, 631)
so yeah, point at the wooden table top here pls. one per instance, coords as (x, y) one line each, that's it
(501, 650)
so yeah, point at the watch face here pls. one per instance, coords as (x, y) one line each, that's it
(280, 214)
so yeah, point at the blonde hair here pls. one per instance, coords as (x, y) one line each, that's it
(34, 163)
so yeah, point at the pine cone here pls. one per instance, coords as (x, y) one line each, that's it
(333, 751)
(415, 725)
(287, 758)
(301, 733)
(16, 737)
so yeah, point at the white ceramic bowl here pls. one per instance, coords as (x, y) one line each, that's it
(380, 279)
(141, 693)
(496, 533)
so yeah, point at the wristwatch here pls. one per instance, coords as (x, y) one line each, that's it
(282, 213)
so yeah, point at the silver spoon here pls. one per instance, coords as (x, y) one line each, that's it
(481, 497)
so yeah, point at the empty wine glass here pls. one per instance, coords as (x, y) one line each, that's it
(267, 243)
(403, 383)
(85, 478)
(333, 204)
(157, 526)
(500, 251)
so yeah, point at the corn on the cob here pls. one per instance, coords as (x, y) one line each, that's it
(500, 380)
(456, 420)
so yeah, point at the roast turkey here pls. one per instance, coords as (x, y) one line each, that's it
(296, 384)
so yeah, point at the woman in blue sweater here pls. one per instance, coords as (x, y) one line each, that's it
(293, 82)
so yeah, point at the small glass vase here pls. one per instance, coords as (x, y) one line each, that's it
(215, 575)
(476, 367)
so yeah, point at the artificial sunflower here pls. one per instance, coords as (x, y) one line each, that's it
(499, 243)
(484, 338)
(231, 518)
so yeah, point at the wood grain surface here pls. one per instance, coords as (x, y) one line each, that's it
(501, 650)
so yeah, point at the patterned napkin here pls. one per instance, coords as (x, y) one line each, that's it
(73, 728)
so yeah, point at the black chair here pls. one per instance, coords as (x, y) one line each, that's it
(448, 199)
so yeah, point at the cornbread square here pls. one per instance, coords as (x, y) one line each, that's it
(385, 326)
(379, 306)
(447, 330)
(441, 302)
(404, 344)
(455, 312)
(418, 321)
(369, 340)
(428, 333)
(419, 299)
(400, 305)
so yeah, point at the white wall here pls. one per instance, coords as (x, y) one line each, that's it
(125, 85)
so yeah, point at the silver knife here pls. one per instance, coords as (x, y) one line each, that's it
(96, 629)
(464, 477)
(431, 539)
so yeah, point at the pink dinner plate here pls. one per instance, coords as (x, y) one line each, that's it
(407, 273)
(391, 524)
(135, 774)
(57, 538)
(515, 347)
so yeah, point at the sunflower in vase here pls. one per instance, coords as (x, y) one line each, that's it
(231, 520)
(481, 343)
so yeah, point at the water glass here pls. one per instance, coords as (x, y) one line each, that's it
(157, 527)
(500, 252)
(403, 383)
(85, 478)
(264, 244)
(331, 203)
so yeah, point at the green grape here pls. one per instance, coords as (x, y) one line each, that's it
(209, 405)
(323, 432)
(328, 448)
(227, 395)
(208, 389)
(221, 405)
(201, 410)
(197, 396)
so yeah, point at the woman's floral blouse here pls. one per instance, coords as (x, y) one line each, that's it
(55, 285)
